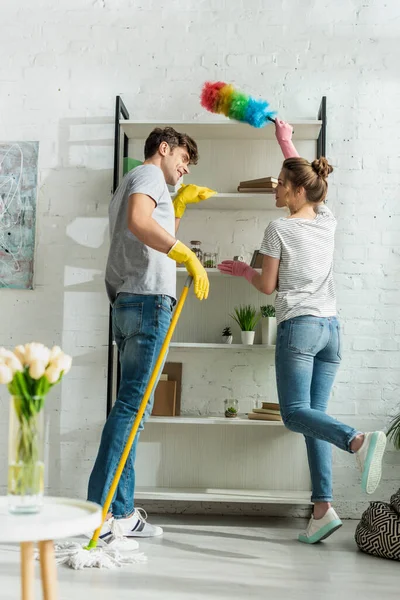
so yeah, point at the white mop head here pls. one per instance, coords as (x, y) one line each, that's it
(110, 556)
(118, 552)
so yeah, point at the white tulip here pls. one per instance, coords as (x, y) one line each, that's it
(63, 362)
(19, 352)
(54, 352)
(5, 353)
(14, 363)
(36, 352)
(52, 374)
(37, 369)
(6, 375)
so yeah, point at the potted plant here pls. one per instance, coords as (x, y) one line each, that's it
(246, 317)
(268, 325)
(231, 409)
(394, 431)
(227, 336)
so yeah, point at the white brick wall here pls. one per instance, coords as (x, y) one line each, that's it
(62, 64)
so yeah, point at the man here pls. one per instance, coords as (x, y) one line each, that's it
(141, 285)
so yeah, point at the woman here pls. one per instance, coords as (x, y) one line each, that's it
(298, 263)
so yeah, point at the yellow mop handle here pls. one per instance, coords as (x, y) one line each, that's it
(142, 408)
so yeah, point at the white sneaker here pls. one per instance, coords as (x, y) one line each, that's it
(137, 526)
(319, 529)
(369, 459)
(113, 534)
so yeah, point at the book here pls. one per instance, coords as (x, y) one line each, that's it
(259, 417)
(257, 260)
(266, 411)
(270, 406)
(259, 183)
(258, 190)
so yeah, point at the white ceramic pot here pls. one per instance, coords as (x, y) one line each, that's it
(227, 339)
(248, 337)
(268, 331)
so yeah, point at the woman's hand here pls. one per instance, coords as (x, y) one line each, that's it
(237, 269)
(283, 133)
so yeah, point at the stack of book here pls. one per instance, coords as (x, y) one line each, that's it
(265, 185)
(269, 412)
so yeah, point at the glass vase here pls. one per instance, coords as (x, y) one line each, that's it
(25, 455)
(231, 408)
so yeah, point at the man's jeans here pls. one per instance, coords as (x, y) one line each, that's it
(307, 359)
(140, 324)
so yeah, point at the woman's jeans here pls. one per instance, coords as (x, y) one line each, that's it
(140, 324)
(307, 358)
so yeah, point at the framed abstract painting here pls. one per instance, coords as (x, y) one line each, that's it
(18, 195)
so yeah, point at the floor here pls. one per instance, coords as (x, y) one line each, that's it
(228, 558)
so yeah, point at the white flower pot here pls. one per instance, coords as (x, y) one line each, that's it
(268, 331)
(227, 339)
(248, 337)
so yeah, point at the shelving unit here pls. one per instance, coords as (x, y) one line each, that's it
(214, 459)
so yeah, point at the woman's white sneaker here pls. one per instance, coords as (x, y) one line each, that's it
(369, 459)
(319, 529)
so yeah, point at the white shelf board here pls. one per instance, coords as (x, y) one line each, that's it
(237, 201)
(194, 420)
(205, 346)
(210, 272)
(228, 130)
(223, 495)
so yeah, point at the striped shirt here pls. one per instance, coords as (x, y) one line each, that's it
(305, 250)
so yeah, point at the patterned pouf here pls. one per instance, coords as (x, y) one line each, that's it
(378, 532)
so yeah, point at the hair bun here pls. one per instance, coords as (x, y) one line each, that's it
(321, 167)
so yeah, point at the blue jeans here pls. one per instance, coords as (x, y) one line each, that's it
(307, 360)
(140, 324)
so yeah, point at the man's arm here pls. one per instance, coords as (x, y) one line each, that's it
(144, 227)
(149, 232)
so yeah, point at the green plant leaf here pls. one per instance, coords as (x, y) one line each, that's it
(246, 317)
(394, 432)
(267, 311)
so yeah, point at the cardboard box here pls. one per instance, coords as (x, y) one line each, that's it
(165, 399)
(174, 372)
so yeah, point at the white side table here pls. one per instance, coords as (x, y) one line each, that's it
(60, 518)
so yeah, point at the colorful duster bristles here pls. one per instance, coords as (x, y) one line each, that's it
(222, 98)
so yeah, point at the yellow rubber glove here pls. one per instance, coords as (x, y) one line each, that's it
(182, 254)
(190, 194)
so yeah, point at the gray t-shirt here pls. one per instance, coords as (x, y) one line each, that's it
(305, 250)
(132, 266)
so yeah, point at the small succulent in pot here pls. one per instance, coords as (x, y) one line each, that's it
(231, 408)
(227, 337)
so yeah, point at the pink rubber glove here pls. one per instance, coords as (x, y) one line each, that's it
(237, 269)
(283, 133)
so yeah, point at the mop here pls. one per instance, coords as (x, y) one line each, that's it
(113, 555)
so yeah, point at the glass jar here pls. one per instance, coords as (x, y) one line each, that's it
(210, 260)
(195, 247)
(231, 408)
(25, 456)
